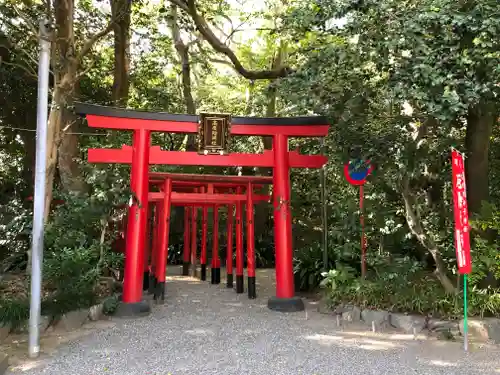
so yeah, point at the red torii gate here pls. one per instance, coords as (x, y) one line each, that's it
(216, 190)
(142, 154)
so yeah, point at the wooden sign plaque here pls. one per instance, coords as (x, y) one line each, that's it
(214, 131)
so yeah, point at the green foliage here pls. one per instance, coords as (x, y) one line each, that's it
(485, 257)
(14, 311)
(71, 299)
(78, 239)
(413, 291)
(308, 266)
(76, 248)
(110, 304)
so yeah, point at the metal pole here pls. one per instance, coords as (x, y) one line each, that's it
(39, 194)
(324, 212)
(362, 224)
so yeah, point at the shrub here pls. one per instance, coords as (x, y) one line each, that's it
(418, 292)
(110, 304)
(14, 311)
(308, 267)
(76, 249)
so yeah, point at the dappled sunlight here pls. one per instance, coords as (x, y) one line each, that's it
(27, 366)
(200, 332)
(437, 362)
(184, 279)
(366, 344)
(326, 339)
(385, 336)
(17, 349)
(405, 337)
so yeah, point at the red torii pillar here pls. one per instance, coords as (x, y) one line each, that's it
(285, 299)
(215, 269)
(252, 289)
(229, 250)
(155, 233)
(203, 256)
(133, 304)
(187, 236)
(194, 232)
(162, 250)
(239, 246)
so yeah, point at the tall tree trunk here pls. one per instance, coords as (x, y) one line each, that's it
(249, 98)
(63, 146)
(55, 135)
(263, 212)
(29, 141)
(480, 121)
(68, 153)
(121, 10)
(186, 79)
(65, 65)
(64, 78)
(272, 93)
(183, 53)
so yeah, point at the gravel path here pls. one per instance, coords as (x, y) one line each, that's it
(204, 329)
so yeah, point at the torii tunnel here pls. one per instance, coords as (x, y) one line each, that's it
(142, 154)
(204, 191)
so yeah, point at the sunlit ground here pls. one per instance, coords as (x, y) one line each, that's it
(324, 330)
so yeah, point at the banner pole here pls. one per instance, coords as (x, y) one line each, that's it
(362, 222)
(466, 343)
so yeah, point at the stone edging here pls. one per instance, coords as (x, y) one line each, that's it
(68, 322)
(480, 330)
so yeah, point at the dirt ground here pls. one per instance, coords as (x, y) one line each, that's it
(17, 345)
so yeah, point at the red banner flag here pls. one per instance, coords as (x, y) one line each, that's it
(462, 228)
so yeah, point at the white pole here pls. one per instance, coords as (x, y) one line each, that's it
(39, 194)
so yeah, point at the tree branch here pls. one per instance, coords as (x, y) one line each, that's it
(221, 61)
(89, 43)
(192, 42)
(29, 72)
(85, 71)
(26, 19)
(234, 30)
(217, 45)
(415, 225)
